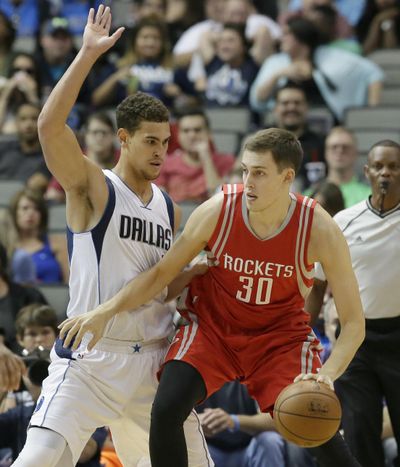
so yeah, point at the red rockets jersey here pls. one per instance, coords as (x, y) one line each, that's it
(256, 285)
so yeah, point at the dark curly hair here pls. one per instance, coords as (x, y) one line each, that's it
(140, 107)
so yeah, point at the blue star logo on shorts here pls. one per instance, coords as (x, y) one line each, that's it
(136, 348)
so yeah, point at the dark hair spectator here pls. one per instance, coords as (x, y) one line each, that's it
(29, 213)
(146, 66)
(329, 197)
(333, 78)
(22, 86)
(379, 26)
(7, 37)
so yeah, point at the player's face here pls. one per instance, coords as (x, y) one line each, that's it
(263, 182)
(384, 167)
(146, 148)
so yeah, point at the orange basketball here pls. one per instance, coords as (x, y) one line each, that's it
(307, 413)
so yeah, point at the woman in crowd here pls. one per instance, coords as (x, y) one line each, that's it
(48, 252)
(146, 66)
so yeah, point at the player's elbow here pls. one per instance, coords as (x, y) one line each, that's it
(47, 125)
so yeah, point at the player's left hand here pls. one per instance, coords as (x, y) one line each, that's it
(73, 329)
(324, 379)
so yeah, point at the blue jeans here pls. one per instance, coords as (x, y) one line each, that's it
(267, 449)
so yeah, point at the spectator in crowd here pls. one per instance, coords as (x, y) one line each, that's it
(75, 11)
(48, 252)
(55, 53)
(371, 229)
(25, 15)
(325, 17)
(351, 10)
(290, 113)
(22, 158)
(379, 26)
(22, 86)
(341, 26)
(36, 330)
(7, 36)
(189, 42)
(193, 172)
(341, 157)
(219, 12)
(99, 146)
(237, 433)
(332, 77)
(329, 196)
(12, 298)
(146, 66)
(262, 32)
(14, 424)
(229, 70)
(144, 8)
(8, 238)
(36, 326)
(180, 15)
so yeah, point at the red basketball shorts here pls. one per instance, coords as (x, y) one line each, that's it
(264, 363)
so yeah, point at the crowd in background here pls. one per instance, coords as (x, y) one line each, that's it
(276, 59)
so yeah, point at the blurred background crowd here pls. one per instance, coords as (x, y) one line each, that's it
(327, 70)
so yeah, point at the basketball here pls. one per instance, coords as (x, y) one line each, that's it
(307, 413)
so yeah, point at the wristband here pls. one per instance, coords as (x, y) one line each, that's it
(236, 424)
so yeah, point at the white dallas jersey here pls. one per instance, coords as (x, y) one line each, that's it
(129, 239)
(374, 242)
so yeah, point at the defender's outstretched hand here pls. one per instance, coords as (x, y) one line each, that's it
(72, 330)
(96, 36)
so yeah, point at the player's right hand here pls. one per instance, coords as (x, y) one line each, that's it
(72, 330)
(96, 37)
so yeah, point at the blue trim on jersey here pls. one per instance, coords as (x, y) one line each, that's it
(170, 208)
(70, 243)
(63, 352)
(98, 233)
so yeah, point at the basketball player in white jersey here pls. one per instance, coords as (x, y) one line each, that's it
(119, 224)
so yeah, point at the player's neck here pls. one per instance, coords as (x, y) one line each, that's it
(267, 221)
(139, 185)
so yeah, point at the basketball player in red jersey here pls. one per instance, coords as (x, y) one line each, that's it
(246, 315)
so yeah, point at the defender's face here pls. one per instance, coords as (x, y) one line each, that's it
(146, 148)
(263, 182)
